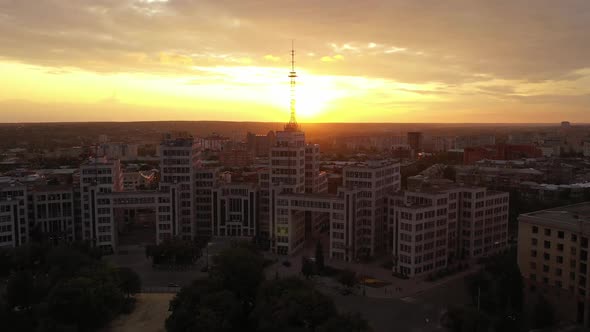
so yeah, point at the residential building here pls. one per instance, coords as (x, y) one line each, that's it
(179, 158)
(14, 223)
(98, 175)
(553, 259)
(235, 210)
(374, 181)
(415, 140)
(440, 223)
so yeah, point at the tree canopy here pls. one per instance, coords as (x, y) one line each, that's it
(236, 297)
(61, 288)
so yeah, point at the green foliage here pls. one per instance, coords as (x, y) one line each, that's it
(65, 288)
(128, 281)
(345, 323)
(499, 285)
(239, 270)
(319, 256)
(174, 252)
(235, 297)
(291, 303)
(205, 306)
(307, 267)
(498, 289)
(348, 278)
(543, 314)
(84, 303)
(460, 319)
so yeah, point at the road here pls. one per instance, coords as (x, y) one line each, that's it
(134, 258)
(420, 313)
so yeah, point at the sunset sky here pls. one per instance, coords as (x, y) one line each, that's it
(357, 61)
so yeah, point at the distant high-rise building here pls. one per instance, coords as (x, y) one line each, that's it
(415, 140)
(260, 144)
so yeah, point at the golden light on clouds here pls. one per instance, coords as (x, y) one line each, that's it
(408, 61)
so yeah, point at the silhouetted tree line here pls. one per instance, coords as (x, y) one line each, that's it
(65, 288)
(497, 298)
(174, 252)
(236, 297)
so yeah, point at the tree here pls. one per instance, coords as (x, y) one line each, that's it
(348, 278)
(450, 173)
(128, 281)
(459, 319)
(240, 271)
(84, 303)
(306, 267)
(345, 323)
(543, 314)
(19, 290)
(204, 306)
(291, 304)
(319, 256)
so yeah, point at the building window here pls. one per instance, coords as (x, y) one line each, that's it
(547, 245)
(535, 229)
(534, 241)
(547, 232)
(560, 235)
(559, 259)
(533, 253)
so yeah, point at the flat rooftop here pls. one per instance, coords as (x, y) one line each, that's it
(574, 217)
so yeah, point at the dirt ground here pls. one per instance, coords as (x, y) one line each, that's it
(150, 313)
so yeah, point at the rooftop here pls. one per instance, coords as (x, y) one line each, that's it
(574, 217)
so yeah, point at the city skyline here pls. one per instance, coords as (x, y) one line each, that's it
(134, 60)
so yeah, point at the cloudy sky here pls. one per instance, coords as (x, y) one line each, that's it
(366, 61)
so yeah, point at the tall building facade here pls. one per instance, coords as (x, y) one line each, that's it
(179, 158)
(415, 140)
(14, 222)
(553, 248)
(98, 176)
(373, 181)
(438, 225)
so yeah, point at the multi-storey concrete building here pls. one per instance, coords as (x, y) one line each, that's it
(439, 224)
(98, 176)
(235, 210)
(374, 180)
(553, 259)
(51, 208)
(205, 181)
(179, 158)
(14, 224)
